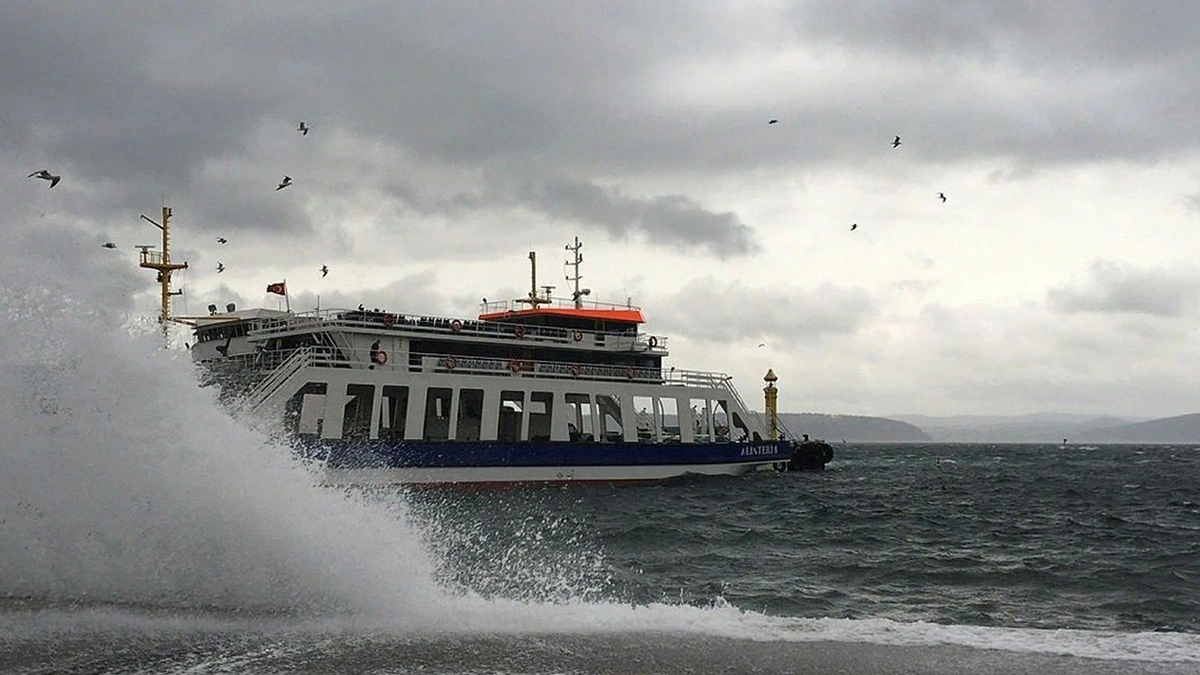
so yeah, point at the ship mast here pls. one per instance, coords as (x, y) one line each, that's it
(161, 261)
(578, 294)
(534, 300)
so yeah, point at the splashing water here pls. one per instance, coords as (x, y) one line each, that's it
(122, 481)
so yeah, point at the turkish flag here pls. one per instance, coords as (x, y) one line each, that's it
(278, 289)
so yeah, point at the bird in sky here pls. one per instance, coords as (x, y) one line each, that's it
(222, 240)
(854, 227)
(220, 267)
(896, 143)
(287, 180)
(324, 271)
(942, 196)
(773, 121)
(303, 129)
(762, 344)
(108, 244)
(46, 175)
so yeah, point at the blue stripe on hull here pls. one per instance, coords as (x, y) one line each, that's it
(462, 454)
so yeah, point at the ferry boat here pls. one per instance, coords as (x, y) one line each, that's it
(534, 390)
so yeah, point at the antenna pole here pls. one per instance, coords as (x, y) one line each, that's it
(161, 261)
(578, 258)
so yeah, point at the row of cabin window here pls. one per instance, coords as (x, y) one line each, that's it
(514, 416)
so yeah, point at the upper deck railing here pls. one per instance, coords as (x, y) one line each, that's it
(283, 363)
(377, 320)
(522, 304)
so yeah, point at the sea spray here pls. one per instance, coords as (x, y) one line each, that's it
(122, 480)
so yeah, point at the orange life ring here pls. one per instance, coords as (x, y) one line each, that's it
(514, 365)
(653, 341)
(380, 357)
(630, 372)
(456, 325)
(575, 369)
(450, 362)
(389, 320)
(519, 331)
(577, 335)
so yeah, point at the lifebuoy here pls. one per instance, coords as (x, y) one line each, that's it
(630, 372)
(514, 365)
(577, 335)
(389, 320)
(575, 369)
(450, 362)
(519, 331)
(653, 342)
(456, 325)
(380, 357)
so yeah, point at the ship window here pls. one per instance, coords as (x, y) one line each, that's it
(470, 415)
(610, 416)
(511, 407)
(394, 413)
(356, 418)
(647, 423)
(437, 414)
(701, 421)
(579, 417)
(741, 432)
(306, 409)
(541, 404)
(669, 413)
(720, 419)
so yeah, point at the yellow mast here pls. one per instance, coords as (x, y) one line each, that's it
(161, 261)
(533, 298)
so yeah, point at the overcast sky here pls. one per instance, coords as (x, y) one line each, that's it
(448, 139)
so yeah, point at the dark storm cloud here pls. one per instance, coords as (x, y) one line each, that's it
(1088, 79)
(670, 220)
(133, 101)
(1111, 288)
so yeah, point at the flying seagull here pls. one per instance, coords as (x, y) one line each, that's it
(324, 271)
(303, 129)
(220, 267)
(222, 240)
(896, 143)
(854, 227)
(762, 344)
(46, 175)
(942, 196)
(287, 180)
(773, 121)
(108, 244)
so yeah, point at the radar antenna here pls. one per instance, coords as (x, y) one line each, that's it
(578, 293)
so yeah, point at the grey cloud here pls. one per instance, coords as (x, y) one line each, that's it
(722, 311)
(1090, 79)
(1112, 288)
(671, 220)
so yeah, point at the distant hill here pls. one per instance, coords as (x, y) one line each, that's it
(852, 428)
(1180, 429)
(1034, 428)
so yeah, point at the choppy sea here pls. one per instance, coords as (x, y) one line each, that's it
(143, 529)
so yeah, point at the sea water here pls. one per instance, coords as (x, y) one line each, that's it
(145, 529)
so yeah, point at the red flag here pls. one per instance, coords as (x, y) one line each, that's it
(278, 289)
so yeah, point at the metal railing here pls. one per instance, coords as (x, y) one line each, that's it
(291, 361)
(374, 320)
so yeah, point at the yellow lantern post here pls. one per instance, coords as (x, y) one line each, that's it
(770, 394)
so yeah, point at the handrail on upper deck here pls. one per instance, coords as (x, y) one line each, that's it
(268, 327)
